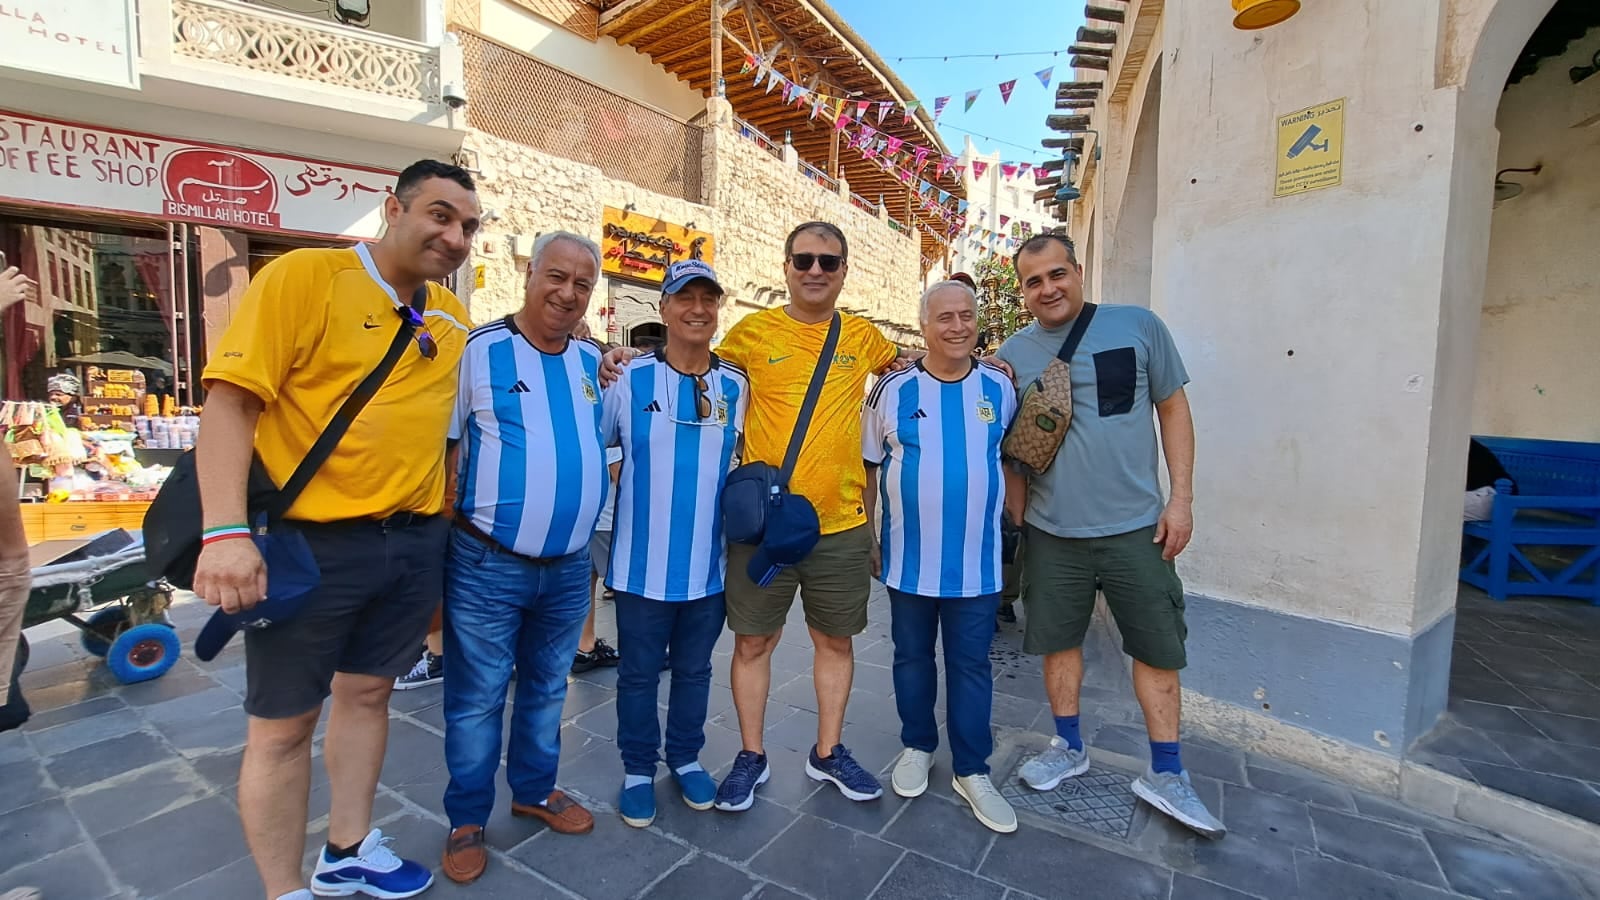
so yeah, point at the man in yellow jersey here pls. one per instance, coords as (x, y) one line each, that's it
(312, 326)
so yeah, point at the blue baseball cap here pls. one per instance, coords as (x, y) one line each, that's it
(292, 576)
(680, 273)
(791, 534)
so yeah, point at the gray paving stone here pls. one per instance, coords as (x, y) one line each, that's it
(1576, 798)
(1460, 742)
(941, 829)
(1402, 853)
(37, 831)
(1014, 861)
(736, 836)
(1539, 673)
(790, 728)
(175, 847)
(600, 720)
(221, 770)
(233, 678)
(1489, 717)
(14, 747)
(25, 783)
(237, 880)
(119, 802)
(770, 891)
(83, 732)
(181, 680)
(583, 696)
(570, 860)
(1480, 869)
(1186, 887)
(1269, 817)
(216, 732)
(917, 877)
(194, 707)
(64, 714)
(97, 762)
(866, 816)
(74, 874)
(1261, 867)
(1568, 703)
(1329, 879)
(1489, 690)
(871, 709)
(416, 699)
(1298, 787)
(702, 878)
(412, 752)
(1567, 729)
(855, 862)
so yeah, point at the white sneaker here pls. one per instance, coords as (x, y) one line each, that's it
(375, 871)
(1056, 764)
(23, 893)
(987, 804)
(911, 772)
(302, 894)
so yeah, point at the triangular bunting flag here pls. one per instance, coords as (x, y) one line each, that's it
(924, 188)
(911, 110)
(962, 206)
(1004, 220)
(978, 168)
(944, 197)
(868, 133)
(772, 79)
(1006, 87)
(861, 108)
(840, 122)
(749, 63)
(894, 145)
(816, 106)
(1044, 75)
(921, 155)
(1022, 168)
(972, 97)
(1010, 170)
(883, 110)
(944, 165)
(939, 103)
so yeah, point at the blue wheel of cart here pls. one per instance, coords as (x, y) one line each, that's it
(105, 621)
(144, 652)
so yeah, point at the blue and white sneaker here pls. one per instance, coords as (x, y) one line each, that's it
(738, 791)
(845, 773)
(374, 871)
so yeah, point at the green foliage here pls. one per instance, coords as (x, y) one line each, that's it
(1000, 309)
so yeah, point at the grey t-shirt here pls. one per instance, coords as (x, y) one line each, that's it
(1105, 480)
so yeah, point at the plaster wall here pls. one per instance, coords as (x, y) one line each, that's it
(991, 197)
(753, 202)
(1538, 373)
(614, 67)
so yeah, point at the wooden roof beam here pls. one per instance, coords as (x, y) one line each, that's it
(1104, 14)
(1088, 35)
(634, 34)
(1084, 50)
(1103, 63)
(1067, 123)
(1080, 103)
(1075, 144)
(612, 18)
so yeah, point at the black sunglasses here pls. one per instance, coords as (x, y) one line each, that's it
(425, 342)
(803, 261)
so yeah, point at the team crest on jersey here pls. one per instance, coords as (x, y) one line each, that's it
(589, 393)
(986, 411)
(722, 411)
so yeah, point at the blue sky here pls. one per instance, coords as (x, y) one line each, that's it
(906, 28)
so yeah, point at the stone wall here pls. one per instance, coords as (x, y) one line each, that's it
(753, 200)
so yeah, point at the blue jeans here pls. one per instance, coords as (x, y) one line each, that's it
(645, 630)
(505, 613)
(967, 626)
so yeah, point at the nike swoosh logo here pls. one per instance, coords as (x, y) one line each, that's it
(774, 360)
(369, 325)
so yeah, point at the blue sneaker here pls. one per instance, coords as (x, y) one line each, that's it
(374, 871)
(845, 773)
(738, 790)
(638, 805)
(699, 789)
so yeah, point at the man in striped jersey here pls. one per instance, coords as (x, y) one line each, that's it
(678, 414)
(930, 437)
(532, 478)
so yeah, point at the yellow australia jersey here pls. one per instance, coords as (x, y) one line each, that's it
(780, 354)
(311, 326)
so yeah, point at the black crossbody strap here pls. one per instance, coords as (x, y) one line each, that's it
(1075, 336)
(342, 420)
(809, 406)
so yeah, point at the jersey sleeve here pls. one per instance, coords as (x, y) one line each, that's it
(1008, 399)
(272, 330)
(613, 401)
(873, 430)
(877, 350)
(742, 408)
(463, 408)
(735, 348)
(1166, 371)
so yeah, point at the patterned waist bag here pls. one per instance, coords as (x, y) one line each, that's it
(1044, 411)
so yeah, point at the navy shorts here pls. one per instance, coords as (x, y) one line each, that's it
(380, 588)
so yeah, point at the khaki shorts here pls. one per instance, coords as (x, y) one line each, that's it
(834, 582)
(1142, 590)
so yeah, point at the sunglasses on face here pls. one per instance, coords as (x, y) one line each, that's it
(802, 262)
(425, 342)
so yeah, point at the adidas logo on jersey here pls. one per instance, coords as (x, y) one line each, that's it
(653, 407)
(919, 414)
(519, 388)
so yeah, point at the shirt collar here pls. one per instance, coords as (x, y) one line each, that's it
(365, 254)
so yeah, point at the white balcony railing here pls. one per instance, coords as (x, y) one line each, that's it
(263, 40)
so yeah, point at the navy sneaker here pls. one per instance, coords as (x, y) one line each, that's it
(845, 773)
(738, 790)
(374, 871)
(699, 789)
(638, 805)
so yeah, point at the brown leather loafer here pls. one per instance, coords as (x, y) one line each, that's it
(560, 812)
(465, 856)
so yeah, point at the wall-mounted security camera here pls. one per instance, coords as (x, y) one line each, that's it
(455, 96)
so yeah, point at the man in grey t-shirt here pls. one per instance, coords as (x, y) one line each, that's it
(1098, 516)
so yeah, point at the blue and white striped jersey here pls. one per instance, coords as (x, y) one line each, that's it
(533, 467)
(941, 489)
(666, 540)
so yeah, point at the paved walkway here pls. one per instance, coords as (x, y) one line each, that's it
(127, 792)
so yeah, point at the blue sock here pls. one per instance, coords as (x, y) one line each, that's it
(1164, 757)
(633, 781)
(1067, 730)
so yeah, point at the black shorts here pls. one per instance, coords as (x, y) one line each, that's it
(380, 588)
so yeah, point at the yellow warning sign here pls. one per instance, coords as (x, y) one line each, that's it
(1310, 149)
(477, 276)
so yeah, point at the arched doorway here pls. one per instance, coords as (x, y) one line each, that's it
(1519, 327)
(646, 333)
(1133, 244)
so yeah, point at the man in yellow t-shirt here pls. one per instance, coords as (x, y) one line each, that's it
(779, 348)
(311, 327)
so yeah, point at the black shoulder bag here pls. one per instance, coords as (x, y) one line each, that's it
(752, 488)
(174, 523)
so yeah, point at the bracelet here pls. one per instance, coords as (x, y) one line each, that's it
(229, 528)
(213, 535)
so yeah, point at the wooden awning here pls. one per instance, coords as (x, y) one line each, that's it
(811, 45)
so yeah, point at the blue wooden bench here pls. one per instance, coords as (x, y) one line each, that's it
(1557, 504)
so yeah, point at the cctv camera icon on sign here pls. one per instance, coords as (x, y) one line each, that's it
(1308, 141)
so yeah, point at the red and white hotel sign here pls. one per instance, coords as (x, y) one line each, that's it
(43, 161)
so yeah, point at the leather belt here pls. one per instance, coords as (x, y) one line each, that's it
(465, 524)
